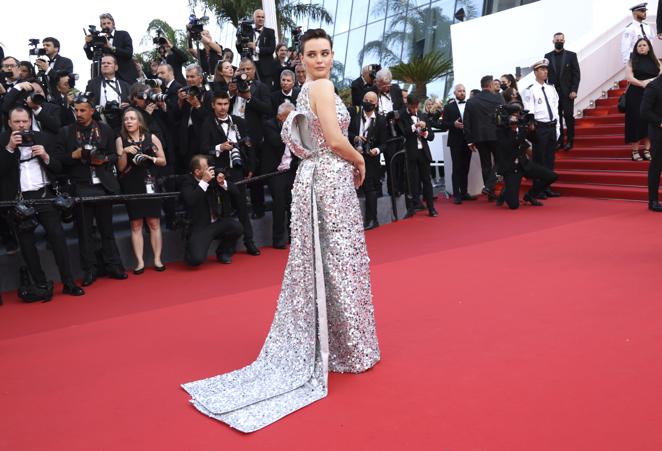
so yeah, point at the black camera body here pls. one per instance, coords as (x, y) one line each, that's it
(193, 91)
(159, 40)
(99, 38)
(391, 118)
(36, 50)
(512, 115)
(27, 138)
(242, 82)
(196, 26)
(373, 69)
(245, 36)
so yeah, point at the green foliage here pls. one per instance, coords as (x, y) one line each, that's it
(422, 70)
(176, 37)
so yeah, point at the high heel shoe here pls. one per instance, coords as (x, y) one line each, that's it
(636, 156)
(647, 155)
(159, 268)
(139, 271)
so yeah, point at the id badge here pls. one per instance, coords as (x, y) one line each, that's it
(95, 179)
(149, 185)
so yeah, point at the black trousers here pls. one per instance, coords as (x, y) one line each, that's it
(655, 167)
(50, 219)
(541, 176)
(544, 146)
(461, 158)
(226, 230)
(280, 187)
(371, 186)
(102, 212)
(566, 108)
(489, 158)
(235, 175)
(419, 176)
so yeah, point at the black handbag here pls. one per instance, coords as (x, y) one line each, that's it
(621, 101)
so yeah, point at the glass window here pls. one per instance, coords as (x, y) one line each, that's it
(330, 6)
(372, 52)
(378, 9)
(472, 9)
(440, 18)
(501, 5)
(359, 13)
(340, 48)
(354, 47)
(343, 15)
(393, 39)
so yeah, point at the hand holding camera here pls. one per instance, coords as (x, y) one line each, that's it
(39, 151)
(208, 175)
(131, 149)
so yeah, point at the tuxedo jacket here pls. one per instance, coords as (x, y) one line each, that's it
(177, 58)
(277, 97)
(376, 133)
(451, 114)
(61, 64)
(411, 143)
(479, 115)
(565, 78)
(190, 132)
(651, 108)
(124, 54)
(95, 86)
(212, 134)
(257, 109)
(49, 118)
(359, 88)
(199, 203)
(78, 170)
(9, 163)
(67, 114)
(267, 44)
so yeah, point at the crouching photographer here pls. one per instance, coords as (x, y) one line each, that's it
(513, 126)
(28, 164)
(208, 198)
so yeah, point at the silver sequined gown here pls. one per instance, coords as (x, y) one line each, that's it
(324, 319)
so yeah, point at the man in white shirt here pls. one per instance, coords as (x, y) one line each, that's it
(635, 30)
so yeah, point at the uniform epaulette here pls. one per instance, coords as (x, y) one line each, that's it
(530, 86)
(628, 25)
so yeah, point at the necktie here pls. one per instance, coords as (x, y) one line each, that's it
(643, 33)
(549, 108)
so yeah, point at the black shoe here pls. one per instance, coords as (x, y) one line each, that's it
(371, 225)
(419, 206)
(410, 213)
(72, 289)
(433, 213)
(11, 247)
(139, 271)
(226, 259)
(252, 249)
(534, 202)
(257, 215)
(655, 206)
(160, 268)
(89, 278)
(541, 196)
(550, 193)
(118, 275)
(568, 146)
(457, 200)
(500, 200)
(469, 197)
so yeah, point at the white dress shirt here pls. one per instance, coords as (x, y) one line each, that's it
(533, 98)
(385, 103)
(633, 31)
(108, 94)
(32, 175)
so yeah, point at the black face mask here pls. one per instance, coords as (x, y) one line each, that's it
(504, 86)
(558, 45)
(368, 107)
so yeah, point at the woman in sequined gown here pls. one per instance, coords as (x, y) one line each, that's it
(324, 320)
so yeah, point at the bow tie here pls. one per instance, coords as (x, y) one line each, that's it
(109, 82)
(287, 97)
(461, 101)
(258, 30)
(224, 121)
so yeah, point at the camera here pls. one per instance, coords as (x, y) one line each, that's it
(142, 160)
(245, 36)
(36, 50)
(512, 114)
(296, 38)
(193, 91)
(391, 118)
(99, 38)
(88, 151)
(373, 69)
(242, 82)
(24, 216)
(27, 138)
(195, 26)
(159, 39)
(154, 82)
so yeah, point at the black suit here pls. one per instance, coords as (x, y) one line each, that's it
(565, 75)
(266, 42)
(277, 98)
(124, 54)
(359, 88)
(49, 118)
(177, 58)
(418, 160)
(212, 134)
(460, 152)
(210, 213)
(375, 138)
(97, 85)
(651, 112)
(60, 64)
(189, 127)
(81, 176)
(396, 172)
(47, 215)
(480, 129)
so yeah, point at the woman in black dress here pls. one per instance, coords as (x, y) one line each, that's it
(642, 68)
(139, 152)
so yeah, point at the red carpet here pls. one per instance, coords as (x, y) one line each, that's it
(537, 329)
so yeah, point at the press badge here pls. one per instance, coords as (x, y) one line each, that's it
(95, 179)
(149, 184)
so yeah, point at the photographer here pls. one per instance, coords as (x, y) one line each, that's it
(300, 74)
(513, 125)
(211, 52)
(44, 116)
(282, 63)
(110, 41)
(259, 43)
(251, 100)
(287, 91)
(89, 157)
(63, 97)
(111, 93)
(480, 131)
(28, 162)
(417, 133)
(193, 107)
(367, 132)
(225, 139)
(171, 55)
(364, 83)
(56, 63)
(10, 73)
(208, 198)
(280, 186)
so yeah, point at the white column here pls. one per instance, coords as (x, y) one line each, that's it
(269, 7)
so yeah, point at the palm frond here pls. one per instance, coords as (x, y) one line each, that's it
(423, 70)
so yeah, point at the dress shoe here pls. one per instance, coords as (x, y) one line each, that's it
(72, 289)
(420, 206)
(568, 146)
(534, 202)
(410, 213)
(541, 196)
(226, 259)
(371, 225)
(432, 212)
(89, 278)
(118, 275)
(257, 215)
(500, 200)
(138, 271)
(457, 200)
(469, 197)
(251, 248)
(655, 206)
(551, 193)
(159, 268)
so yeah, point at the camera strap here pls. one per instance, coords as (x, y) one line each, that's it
(114, 85)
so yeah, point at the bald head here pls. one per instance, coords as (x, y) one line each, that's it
(460, 92)
(370, 96)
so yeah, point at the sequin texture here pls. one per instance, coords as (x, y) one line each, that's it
(324, 319)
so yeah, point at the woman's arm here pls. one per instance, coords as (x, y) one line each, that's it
(121, 155)
(160, 159)
(323, 104)
(629, 75)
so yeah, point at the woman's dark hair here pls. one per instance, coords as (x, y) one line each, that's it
(636, 58)
(511, 79)
(218, 76)
(314, 33)
(511, 94)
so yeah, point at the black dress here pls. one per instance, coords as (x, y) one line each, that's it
(134, 180)
(635, 127)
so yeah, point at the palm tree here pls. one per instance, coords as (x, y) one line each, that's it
(422, 70)
(175, 37)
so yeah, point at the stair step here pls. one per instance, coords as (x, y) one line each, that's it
(599, 140)
(609, 101)
(601, 111)
(616, 92)
(601, 129)
(604, 119)
(600, 152)
(628, 178)
(600, 191)
(623, 84)
(600, 164)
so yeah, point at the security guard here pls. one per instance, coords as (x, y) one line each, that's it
(635, 30)
(542, 100)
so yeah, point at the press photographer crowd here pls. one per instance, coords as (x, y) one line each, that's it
(192, 123)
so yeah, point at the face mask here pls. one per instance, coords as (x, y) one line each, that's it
(368, 107)
(558, 45)
(504, 86)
